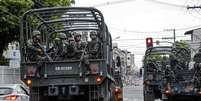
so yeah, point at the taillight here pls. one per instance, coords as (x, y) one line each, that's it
(11, 98)
(147, 82)
(118, 94)
(99, 79)
(168, 93)
(199, 93)
(117, 90)
(29, 82)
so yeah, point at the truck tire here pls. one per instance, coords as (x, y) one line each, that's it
(34, 95)
(169, 99)
(149, 96)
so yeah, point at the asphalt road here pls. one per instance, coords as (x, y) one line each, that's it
(133, 93)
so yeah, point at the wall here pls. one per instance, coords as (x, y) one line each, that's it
(9, 75)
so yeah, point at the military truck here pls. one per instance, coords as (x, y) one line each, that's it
(66, 79)
(118, 75)
(181, 82)
(154, 65)
(167, 75)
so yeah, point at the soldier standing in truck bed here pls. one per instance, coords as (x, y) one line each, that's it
(34, 51)
(70, 48)
(93, 47)
(80, 53)
(79, 46)
(59, 47)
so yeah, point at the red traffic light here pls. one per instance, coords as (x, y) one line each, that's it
(149, 42)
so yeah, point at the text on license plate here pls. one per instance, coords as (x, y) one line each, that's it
(63, 68)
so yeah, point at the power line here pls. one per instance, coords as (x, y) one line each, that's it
(193, 7)
(124, 1)
(143, 39)
(167, 4)
(112, 3)
(134, 31)
(198, 11)
(194, 15)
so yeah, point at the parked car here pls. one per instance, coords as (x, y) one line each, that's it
(14, 92)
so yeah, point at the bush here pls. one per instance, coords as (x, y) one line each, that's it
(4, 61)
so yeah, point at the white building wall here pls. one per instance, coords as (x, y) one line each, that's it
(13, 54)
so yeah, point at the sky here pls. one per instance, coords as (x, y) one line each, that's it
(135, 20)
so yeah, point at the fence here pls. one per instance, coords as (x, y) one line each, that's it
(9, 75)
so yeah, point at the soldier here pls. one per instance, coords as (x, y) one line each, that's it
(34, 50)
(197, 68)
(197, 57)
(93, 46)
(70, 48)
(80, 51)
(79, 46)
(60, 46)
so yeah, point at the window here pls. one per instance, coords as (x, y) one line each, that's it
(24, 91)
(5, 91)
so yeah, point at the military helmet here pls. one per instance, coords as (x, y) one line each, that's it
(36, 32)
(93, 33)
(62, 36)
(77, 34)
(199, 50)
(57, 39)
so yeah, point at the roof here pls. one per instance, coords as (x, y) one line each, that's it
(191, 31)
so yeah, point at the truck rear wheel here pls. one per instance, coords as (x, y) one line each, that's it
(149, 97)
(148, 94)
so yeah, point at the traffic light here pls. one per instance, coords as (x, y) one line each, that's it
(149, 42)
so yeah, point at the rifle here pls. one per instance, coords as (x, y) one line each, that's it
(45, 53)
(82, 56)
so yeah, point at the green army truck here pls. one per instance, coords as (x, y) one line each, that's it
(66, 79)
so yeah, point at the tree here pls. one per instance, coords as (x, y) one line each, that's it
(182, 44)
(182, 51)
(10, 12)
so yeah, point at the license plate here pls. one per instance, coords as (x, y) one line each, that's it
(63, 68)
(189, 88)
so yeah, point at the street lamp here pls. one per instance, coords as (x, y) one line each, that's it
(116, 38)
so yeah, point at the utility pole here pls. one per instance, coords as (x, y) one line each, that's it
(193, 7)
(174, 34)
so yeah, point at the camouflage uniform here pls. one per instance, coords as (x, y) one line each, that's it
(59, 46)
(79, 46)
(34, 51)
(70, 48)
(93, 47)
(80, 50)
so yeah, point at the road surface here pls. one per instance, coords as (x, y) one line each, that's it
(133, 93)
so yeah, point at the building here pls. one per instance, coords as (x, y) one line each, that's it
(13, 54)
(11, 74)
(127, 62)
(195, 42)
(132, 62)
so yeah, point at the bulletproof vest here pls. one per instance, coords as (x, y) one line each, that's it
(70, 50)
(93, 46)
(197, 57)
(32, 54)
(79, 45)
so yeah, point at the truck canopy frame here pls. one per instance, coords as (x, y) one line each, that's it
(50, 21)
